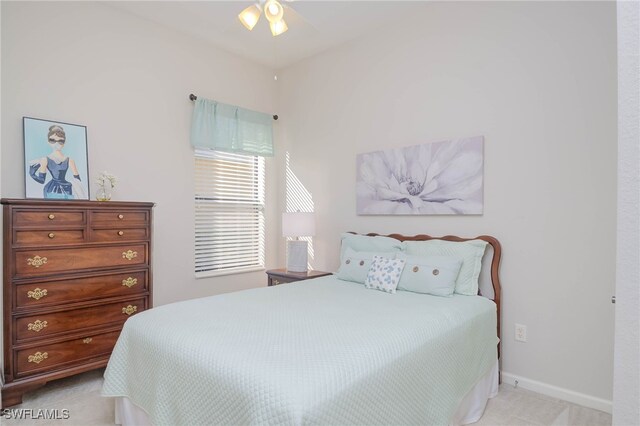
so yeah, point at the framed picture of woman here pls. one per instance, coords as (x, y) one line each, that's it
(56, 160)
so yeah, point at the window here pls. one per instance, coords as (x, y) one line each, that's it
(229, 202)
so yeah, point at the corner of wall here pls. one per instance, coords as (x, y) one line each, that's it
(626, 374)
(1, 253)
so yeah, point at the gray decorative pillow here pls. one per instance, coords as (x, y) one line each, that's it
(431, 275)
(355, 265)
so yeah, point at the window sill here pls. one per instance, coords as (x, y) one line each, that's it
(210, 274)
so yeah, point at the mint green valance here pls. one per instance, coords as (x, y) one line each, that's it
(229, 128)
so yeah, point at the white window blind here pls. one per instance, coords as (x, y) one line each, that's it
(229, 202)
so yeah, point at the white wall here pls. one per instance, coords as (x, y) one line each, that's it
(538, 80)
(1, 218)
(626, 391)
(128, 81)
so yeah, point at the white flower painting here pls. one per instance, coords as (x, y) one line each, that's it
(429, 179)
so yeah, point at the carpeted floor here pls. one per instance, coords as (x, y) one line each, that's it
(81, 396)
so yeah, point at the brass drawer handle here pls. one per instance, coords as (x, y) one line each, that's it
(36, 293)
(120, 216)
(130, 282)
(38, 357)
(37, 261)
(129, 254)
(51, 216)
(129, 309)
(37, 325)
(87, 340)
(121, 233)
(51, 235)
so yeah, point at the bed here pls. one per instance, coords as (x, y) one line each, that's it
(320, 351)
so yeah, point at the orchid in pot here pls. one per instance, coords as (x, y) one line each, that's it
(106, 183)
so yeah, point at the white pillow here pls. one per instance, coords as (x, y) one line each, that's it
(469, 252)
(384, 274)
(431, 275)
(355, 264)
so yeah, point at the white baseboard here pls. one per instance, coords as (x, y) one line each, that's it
(557, 392)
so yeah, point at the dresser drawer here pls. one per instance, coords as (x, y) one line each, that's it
(49, 356)
(115, 218)
(49, 237)
(50, 218)
(47, 293)
(119, 234)
(46, 261)
(48, 324)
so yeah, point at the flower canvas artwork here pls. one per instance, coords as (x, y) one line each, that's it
(429, 179)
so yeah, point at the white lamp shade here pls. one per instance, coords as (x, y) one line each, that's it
(249, 17)
(278, 27)
(298, 224)
(273, 11)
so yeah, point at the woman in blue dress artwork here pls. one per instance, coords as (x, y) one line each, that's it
(58, 164)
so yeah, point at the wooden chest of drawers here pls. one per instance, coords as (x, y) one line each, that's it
(74, 271)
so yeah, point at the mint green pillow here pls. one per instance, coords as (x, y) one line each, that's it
(431, 275)
(377, 244)
(355, 264)
(469, 252)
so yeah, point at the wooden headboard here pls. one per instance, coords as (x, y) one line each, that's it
(495, 262)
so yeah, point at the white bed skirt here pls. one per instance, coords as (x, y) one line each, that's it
(473, 404)
(469, 411)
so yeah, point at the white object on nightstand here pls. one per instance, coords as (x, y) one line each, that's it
(298, 224)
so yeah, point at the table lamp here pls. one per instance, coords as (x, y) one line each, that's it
(297, 225)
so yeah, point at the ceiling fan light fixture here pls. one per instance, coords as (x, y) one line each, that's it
(249, 17)
(273, 11)
(278, 27)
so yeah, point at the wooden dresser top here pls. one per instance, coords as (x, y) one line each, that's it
(74, 203)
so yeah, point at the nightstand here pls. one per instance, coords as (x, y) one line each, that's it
(280, 276)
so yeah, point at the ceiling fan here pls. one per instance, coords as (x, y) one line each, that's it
(273, 11)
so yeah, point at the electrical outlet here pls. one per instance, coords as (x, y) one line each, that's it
(521, 333)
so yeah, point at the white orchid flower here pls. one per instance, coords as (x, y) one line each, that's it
(105, 177)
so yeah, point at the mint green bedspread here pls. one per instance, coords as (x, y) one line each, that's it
(321, 351)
